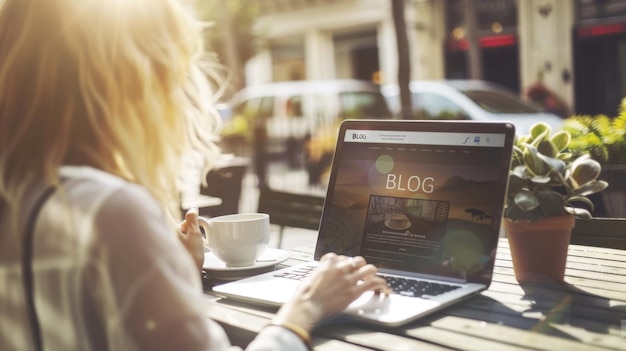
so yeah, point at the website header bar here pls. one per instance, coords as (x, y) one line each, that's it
(424, 138)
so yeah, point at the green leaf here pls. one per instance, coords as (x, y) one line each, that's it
(590, 188)
(584, 170)
(582, 199)
(541, 137)
(554, 163)
(517, 158)
(564, 156)
(551, 203)
(525, 200)
(540, 179)
(525, 139)
(539, 128)
(522, 172)
(516, 214)
(578, 212)
(561, 140)
(516, 183)
(533, 162)
(546, 147)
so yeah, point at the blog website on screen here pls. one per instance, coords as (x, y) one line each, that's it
(417, 200)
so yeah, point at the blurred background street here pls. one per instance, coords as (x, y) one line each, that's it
(293, 69)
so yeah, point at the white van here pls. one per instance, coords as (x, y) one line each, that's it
(291, 111)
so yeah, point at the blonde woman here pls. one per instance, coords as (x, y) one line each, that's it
(99, 101)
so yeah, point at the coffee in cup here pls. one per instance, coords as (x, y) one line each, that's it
(397, 220)
(237, 239)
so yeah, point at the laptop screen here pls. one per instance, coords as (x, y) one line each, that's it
(418, 196)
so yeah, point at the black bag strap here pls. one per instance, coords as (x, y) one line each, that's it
(27, 269)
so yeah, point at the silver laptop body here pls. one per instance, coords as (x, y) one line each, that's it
(422, 200)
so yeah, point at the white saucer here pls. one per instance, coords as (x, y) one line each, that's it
(406, 225)
(217, 269)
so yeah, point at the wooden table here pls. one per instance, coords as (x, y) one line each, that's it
(587, 313)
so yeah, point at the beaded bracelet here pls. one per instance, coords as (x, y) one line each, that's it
(296, 329)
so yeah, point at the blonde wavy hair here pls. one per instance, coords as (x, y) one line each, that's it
(119, 85)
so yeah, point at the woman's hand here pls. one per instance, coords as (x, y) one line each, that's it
(337, 282)
(191, 236)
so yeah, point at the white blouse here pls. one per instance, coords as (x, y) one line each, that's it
(109, 274)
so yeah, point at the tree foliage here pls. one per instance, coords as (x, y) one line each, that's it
(232, 28)
(601, 136)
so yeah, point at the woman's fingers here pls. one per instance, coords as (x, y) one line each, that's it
(191, 220)
(344, 263)
(366, 277)
(364, 271)
(338, 281)
(376, 284)
(191, 236)
(354, 272)
(331, 256)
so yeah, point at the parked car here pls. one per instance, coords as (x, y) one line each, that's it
(278, 118)
(470, 99)
(296, 108)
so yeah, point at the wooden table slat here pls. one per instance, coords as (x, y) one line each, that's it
(593, 271)
(378, 339)
(588, 312)
(504, 257)
(613, 297)
(581, 279)
(512, 333)
(457, 338)
(548, 323)
(520, 304)
(246, 322)
(334, 345)
(578, 250)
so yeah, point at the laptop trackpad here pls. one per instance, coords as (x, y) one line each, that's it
(391, 307)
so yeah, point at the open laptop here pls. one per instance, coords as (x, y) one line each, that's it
(422, 200)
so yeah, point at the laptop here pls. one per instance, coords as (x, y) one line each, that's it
(421, 200)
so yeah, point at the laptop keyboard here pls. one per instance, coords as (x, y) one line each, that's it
(417, 288)
(296, 273)
(399, 285)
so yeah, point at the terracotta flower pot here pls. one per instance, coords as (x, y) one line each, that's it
(539, 249)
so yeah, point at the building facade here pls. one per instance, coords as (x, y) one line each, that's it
(576, 48)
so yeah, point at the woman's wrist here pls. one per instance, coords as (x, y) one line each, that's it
(297, 330)
(302, 312)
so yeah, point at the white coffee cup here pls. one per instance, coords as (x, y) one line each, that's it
(237, 239)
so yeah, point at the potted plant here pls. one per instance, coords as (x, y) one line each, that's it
(547, 191)
(604, 139)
